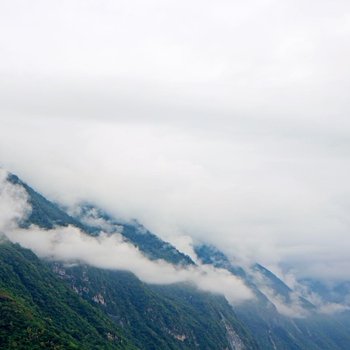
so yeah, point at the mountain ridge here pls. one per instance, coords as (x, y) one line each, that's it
(253, 324)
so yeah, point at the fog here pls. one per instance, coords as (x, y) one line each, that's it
(70, 245)
(111, 251)
(225, 122)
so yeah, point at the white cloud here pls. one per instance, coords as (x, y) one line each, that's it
(293, 308)
(109, 251)
(13, 203)
(255, 204)
(112, 252)
(333, 308)
(225, 121)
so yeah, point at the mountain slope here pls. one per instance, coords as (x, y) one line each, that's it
(158, 317)
(44, 213)
(273, 330)
(39, 311)
(151, 246)
(93, 220)
(163, 317)
(153, 317)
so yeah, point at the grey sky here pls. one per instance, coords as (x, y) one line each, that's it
(227, 121)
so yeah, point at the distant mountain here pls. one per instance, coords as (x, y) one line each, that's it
(273, 330)
(117, 309)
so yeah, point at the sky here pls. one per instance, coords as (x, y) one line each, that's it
(224, 122)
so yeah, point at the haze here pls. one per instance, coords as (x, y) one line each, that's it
(226, 122)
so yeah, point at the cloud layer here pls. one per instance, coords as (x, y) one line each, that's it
(69, 244)
(111, 251)
(227, 122)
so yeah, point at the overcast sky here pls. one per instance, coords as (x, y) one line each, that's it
(227, 121)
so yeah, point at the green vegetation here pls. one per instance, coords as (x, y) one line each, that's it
(150, 245)
(44, 213)
(153, 247)
(39, 311)
(48, 305)
(273, 330)
(158, 317)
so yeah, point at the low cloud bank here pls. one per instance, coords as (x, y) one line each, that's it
(109, 251)
(233, 127)
(112, 252)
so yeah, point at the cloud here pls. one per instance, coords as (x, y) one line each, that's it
(108, 251)
(333, 308)
(248, 57)
(13, 203)
(293, 308)
(292, 304)
(112, 252)
(255, 204)
(227, 122)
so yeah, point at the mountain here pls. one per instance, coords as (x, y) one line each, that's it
(93, 220)
(116, 309)
(159, 317)
(273, 330)
(98, 220)
(151, 317)
(38, 311)
(44, 213)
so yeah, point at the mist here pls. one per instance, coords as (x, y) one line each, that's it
(227, 123)
(111, 251)
(107, 251)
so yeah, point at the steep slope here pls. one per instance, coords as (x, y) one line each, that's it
(39, 311)
(153, 247)
(159, 317)
(93, 220)
(44, 213)
(154, 317)
(273, 330)
(179, 316)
